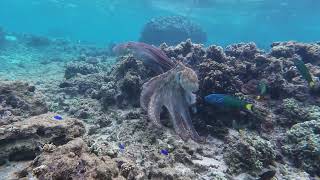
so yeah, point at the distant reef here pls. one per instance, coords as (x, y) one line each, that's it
(102, 133)
(172, 30)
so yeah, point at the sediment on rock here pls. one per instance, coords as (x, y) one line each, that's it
(23, 140)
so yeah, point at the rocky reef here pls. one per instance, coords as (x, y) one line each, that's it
(279, 138)
(310, 53)
(172, 30)
(247, 152)
(19, 100)
(37, 41)
(73, 161)
(22, 140)
(302, 145)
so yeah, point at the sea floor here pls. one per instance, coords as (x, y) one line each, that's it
(104, 134)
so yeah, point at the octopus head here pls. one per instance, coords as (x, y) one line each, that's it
(188, 80)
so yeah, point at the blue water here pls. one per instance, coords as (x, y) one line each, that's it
(103, 21)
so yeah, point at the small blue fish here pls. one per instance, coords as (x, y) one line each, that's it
(57, 117)
(164, 152)
(121, 146)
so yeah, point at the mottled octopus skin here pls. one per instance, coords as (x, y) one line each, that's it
(172, 90)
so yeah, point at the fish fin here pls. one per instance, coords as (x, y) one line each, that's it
(249, 107)
(311, 84)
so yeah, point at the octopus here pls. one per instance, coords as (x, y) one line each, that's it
(151, 56)
(174, 91)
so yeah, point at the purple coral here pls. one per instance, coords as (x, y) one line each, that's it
(172, 90)
(150, 55)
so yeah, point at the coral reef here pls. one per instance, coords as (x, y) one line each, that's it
(247, 152)
(277, 139)
(73, 161)
(243, 51)
(120, 86)
(174, 91)
(310, 53)
(296, 112)
(172, 30)
(19, 99)
(72, 69)
(22, 140)
(302, 144)
(37, 41)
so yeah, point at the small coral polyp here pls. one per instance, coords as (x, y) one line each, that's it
(172, 90)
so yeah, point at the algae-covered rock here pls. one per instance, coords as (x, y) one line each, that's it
(73, 161)
(72, 69)
(247, 152)
(309, 52)
(296, 112)
(243, 51)
(22, 140)
(302, 144)
(19, 99)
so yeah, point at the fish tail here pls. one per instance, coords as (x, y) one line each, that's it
(311, 84)
(249, 107)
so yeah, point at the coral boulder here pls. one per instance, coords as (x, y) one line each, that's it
(172, 30)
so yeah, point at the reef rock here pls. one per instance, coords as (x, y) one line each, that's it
(247, 152)
(23, 140)
(296, 112)
(73, 161)
(37, 41)
(302, 144)
(310, 53)
(172, 30)
(243, 51)
(19, 99)
(74, 68)
(120, 86)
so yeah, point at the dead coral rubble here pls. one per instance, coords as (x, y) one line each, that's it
(302, 144)
(121, 86)
(22, 140)
(73, 161)
(72, 69)
(248, 153)
(19, 99)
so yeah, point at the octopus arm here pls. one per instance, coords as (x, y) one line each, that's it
(179, 112)
(154, 108)
(149, 89)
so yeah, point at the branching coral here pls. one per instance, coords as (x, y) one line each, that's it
(151, 56)
(172, 90)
